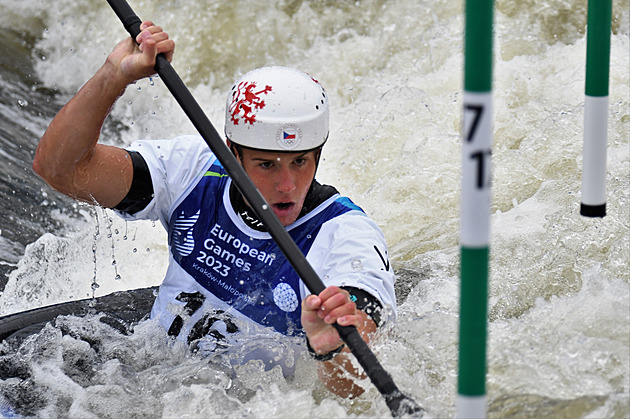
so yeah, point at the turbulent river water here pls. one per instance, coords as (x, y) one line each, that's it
(559, 305)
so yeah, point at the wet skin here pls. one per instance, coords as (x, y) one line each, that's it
(283, 179)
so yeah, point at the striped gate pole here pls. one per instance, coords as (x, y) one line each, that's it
(475, 208)
(596, 108)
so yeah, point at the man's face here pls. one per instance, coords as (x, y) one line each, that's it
(283, 179)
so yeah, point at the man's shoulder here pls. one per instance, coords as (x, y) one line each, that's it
(348, 220)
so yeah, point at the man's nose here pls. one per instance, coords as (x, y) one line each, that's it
(286, 180)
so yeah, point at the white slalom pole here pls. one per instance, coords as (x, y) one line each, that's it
(594, 156)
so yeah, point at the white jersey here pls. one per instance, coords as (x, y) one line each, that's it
(218, 264)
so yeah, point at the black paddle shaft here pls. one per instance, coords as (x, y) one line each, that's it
(398, 403)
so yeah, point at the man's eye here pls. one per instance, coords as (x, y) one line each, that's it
(266, 165)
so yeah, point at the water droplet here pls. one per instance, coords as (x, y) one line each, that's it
(118, 277)
(95, 286)
(135, 250)
(264, 207)
(357, 265)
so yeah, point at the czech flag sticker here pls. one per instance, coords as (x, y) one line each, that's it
(289, 136)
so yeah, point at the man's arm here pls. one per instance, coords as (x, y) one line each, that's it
(319, 312)
(68, 156)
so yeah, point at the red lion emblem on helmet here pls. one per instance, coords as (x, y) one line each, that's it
(245, 101)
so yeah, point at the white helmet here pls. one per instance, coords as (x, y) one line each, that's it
(279, 109)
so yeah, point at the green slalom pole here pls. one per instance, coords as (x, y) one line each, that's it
(596, 108)
(475, 209)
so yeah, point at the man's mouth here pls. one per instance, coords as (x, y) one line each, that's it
(283, 206)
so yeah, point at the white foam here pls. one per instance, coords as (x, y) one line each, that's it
(559, 284)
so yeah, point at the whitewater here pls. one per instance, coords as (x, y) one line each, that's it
(559, 295)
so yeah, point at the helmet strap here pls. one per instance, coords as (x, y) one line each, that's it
(318, 154)
(236, 149)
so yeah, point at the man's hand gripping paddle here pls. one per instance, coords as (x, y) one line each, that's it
(398, 403)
